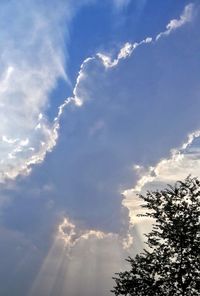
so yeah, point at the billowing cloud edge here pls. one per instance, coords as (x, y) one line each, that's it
(51, 131)
(174, 24)
(74, 234)
(182, 162)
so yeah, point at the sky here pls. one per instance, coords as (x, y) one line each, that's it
(99, 102)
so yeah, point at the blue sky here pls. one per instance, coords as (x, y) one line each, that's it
(99, 102)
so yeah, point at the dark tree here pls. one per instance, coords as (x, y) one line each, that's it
(170, 265)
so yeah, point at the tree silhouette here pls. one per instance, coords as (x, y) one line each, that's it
(171, 263)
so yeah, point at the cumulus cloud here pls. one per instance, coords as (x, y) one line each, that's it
(85, 78)
(93, 170)
(80, 260)
(72, 235)
(30, 70)
(124, 53)
(167, 170)
(182, 162)
(78, 95)
(28, 77)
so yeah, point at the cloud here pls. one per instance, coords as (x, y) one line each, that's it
(94, 136)
(72, 235)
(33, 58)
(79, 260)
(174, 24)
(182, 162)
(78, 95)
(124, 53)
(128, 48)
(121, 4)
(27, 135)
(124, 119)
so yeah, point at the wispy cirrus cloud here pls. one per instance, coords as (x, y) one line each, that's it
(182, 162)
(31, 62)
(174, 24)
(128, 47)
(33, 58)
(120, 4)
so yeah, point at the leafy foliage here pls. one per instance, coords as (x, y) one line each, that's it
(171, 263)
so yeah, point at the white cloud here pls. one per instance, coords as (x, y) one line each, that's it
(182, 162)
(174, 24)
(71, 234)
(29, 151)
(166, 169)
(85, 267)
(128, 47)
(78, 96)
(124, 53)
(32, 60)
(30, 70)
(147, 176)
(23, 151)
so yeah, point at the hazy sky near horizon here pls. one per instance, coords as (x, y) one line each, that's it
(99, 101)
